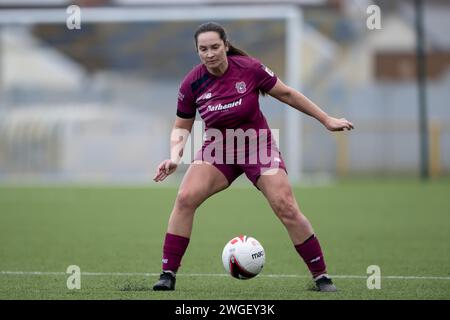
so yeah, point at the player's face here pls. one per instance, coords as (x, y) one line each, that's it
(212, 50)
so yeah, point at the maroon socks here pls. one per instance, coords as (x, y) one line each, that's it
(173, 251)
(311, 253)
(175, 247)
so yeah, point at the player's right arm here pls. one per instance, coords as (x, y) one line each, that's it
(186, 111)
(178, 137)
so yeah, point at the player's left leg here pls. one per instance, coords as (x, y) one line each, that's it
(276, 188)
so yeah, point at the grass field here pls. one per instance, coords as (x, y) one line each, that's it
(115, 236)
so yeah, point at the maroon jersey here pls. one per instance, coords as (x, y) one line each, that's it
(229, 101)
(229, 105)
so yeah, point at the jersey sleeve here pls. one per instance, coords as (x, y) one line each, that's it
(264, 77)
(186, 104)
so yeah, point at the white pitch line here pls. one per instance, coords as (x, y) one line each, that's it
(128, 274)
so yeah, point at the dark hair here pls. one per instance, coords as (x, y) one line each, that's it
(215, 27)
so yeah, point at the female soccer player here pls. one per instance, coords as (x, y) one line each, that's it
(224, 89)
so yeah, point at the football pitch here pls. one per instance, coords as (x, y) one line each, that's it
(115, 234)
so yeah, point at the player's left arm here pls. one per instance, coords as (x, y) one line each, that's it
(298, 101)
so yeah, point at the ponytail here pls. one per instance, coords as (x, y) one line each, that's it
(233, 51)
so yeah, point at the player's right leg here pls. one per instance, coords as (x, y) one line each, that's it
(201, 181)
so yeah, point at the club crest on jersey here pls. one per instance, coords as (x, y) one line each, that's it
(240, 87)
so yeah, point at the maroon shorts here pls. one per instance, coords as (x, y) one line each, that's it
(252, 167)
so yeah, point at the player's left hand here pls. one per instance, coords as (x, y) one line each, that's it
(334, 124)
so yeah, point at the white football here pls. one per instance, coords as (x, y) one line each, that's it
(243, 257)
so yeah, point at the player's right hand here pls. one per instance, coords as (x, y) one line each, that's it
(166, 168)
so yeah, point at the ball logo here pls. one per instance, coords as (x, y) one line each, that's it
(257, 255)
(240, 87)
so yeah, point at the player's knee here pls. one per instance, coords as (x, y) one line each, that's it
(186, 200)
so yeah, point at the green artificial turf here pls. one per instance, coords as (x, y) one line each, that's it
(115, 236)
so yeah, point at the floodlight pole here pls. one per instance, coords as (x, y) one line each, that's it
(421, 85)
(1, 68)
